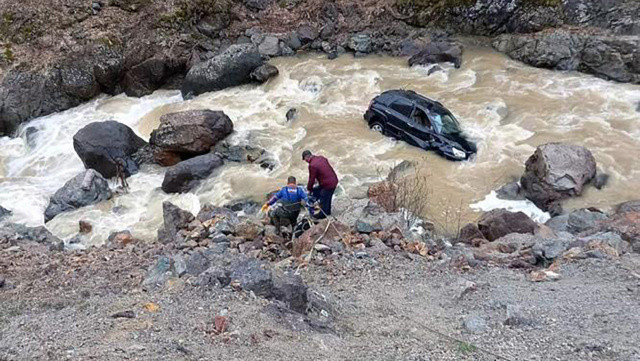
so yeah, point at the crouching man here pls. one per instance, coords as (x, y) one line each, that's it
(290, 201)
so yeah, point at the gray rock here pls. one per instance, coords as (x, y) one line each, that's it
(601, 180)
(186, 175)
(85, 189)
(257, 4)
(475, 324)
(103, 145)
(500, 222)
(175, 219)
(559, 223)
(470, 232)
(630, 206)
(438, 52)
(269, 46)
(360, 43)
(4, 213)
(230, 68)
(292, 114)
(265, 72)
(610, 239)
(291, 290)
(196, 263)
(583, 219)
(365, 227)
(192, 132)
(179, 265)
(253, 276)
(209, 211)
(293, 41)
(377, 247)
(214, 276)
(245, 154)
(510, 191)
(159, 273)
(14, 233)
(149, 75)
(548, 250)
(557, 171)
(31, 135)
(306, 34)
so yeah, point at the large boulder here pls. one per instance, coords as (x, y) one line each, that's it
(230, 68)
(438, 52)
(175, 219)
(500, 222)
(191, 133)
(557, 171)
(187, 174)
(103, 145)
(87, 188)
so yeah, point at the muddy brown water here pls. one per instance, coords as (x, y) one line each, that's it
(507, 107)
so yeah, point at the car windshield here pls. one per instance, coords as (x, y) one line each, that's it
(444, 122)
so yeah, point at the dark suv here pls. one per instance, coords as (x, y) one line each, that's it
(419, 121)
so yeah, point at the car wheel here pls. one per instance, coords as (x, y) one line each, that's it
(377, 127)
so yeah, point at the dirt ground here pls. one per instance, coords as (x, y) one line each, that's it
(392, 307)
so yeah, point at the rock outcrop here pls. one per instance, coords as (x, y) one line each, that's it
(555, 172)
(175, 219)
(87, 188)
(105, 146)
(230, 68)
(187, 174)
(603, 55)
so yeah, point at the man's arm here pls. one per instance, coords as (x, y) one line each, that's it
(312, 178)
(275, 198)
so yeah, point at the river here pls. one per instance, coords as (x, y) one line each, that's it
(507, 107)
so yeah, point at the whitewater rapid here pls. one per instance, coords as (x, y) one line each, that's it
(506, 107)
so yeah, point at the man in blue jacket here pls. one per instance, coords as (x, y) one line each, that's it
(290, 199)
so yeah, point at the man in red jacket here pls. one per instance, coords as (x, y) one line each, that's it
(321, 170)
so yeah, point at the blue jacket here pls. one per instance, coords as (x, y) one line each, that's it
(289, 195)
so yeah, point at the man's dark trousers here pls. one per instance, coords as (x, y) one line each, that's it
(324, 196)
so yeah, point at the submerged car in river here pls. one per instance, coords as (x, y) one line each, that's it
(419, 121)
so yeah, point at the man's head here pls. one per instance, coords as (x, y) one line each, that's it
(306, 156)
(291, 182)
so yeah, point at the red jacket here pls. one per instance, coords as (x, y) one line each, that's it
(320, 169)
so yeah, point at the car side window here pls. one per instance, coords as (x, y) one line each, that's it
(403, 107)
(420, 117)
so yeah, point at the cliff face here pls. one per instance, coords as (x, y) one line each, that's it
(57, 54)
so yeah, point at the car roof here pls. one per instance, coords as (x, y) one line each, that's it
(390, 96)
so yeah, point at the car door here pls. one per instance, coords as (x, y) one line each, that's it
(420, 129)
(399, 113)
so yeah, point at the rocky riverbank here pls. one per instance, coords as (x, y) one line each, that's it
(137, 47)
(222, 284)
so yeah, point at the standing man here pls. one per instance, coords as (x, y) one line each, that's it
(321, 170)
